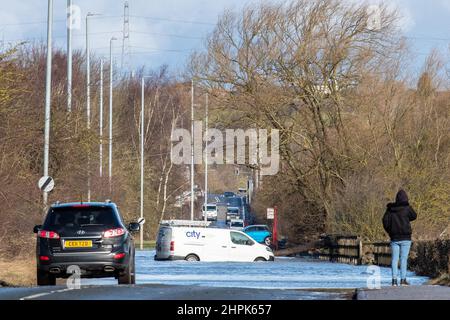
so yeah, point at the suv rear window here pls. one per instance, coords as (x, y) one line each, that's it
(82, 217)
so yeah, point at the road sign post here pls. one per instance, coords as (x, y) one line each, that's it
(275, 228)
(272, 214)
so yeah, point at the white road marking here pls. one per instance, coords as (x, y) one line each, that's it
(38, 295)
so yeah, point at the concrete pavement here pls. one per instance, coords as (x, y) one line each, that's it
(425, 292)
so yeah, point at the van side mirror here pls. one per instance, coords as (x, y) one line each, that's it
(37, 228)
(134, 227)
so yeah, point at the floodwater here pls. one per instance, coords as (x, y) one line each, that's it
(283, 273)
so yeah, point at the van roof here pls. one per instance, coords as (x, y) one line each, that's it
(185, 223)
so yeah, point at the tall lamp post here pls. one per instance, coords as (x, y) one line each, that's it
(88, 95)
(111, 62)
(206, 158)
(69, 55)
(101, 120)
(48, 93)
(192, 151)
(142, 136)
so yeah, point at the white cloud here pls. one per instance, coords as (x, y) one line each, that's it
(146, 34)
(445, 4)
(407, 21)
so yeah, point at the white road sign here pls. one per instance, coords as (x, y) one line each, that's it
(141, 221)
(270, 213)
(46, 184)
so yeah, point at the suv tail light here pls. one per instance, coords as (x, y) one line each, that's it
(172, 245)
(119, 256)
(111, 233)
(48, 234)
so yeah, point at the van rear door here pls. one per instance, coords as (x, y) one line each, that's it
(163, 243)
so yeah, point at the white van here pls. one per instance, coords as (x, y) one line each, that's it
(211, 212)
(192, 241)
(236, 224)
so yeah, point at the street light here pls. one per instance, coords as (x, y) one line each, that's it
(48, 93)
(69, 55)
(206, 158)
(192, 150)
(88, 94)
(110, 109)
(141, 242)
(101, 119)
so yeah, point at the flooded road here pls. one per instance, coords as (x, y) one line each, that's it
(283, 273)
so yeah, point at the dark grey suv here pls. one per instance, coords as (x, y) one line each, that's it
(90, 236)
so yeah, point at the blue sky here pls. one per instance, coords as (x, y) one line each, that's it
(161, 32)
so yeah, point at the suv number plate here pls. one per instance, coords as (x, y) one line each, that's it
(78, 244)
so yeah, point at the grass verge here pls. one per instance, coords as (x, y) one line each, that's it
(148, 244)
(443, 280)
(18, 272)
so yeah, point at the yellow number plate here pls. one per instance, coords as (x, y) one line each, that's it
(78, 244)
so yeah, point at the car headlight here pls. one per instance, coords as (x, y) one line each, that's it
(269, 249)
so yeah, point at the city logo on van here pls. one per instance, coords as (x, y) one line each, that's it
(193, 234)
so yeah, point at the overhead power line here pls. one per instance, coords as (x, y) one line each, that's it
(175, 20)
(169, 35)
(61, 37)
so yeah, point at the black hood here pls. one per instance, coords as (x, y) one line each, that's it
(401, 200)
(401, 197)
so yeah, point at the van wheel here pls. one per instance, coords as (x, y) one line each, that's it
(45, 279)
(260, 259)
(267, 241)
(192, 258)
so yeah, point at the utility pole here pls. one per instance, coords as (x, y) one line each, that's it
(192, 150)
(69, 55)
(88, 74)
(142, 135)
(206, 158)
(88, 96)
(48, 93)
(101, 119)
(125, 36)
(88, 99)
(110, 110)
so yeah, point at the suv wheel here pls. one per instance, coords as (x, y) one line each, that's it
(45, 279)
(267, 241)
(129, 276)
(133, 271)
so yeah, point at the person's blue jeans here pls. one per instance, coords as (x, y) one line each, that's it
(400, 250)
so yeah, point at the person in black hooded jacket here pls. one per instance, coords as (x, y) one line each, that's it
(397, 223)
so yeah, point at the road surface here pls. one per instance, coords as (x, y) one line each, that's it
(286, 278)
(164, 292)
